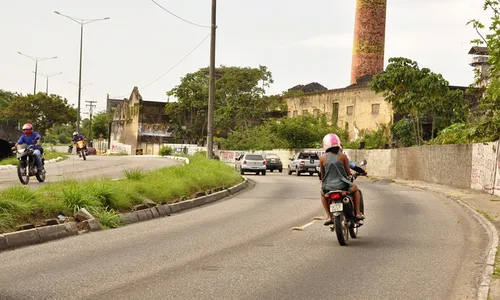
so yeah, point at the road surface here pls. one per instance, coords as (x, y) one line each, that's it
(94, 167)
(414, 245)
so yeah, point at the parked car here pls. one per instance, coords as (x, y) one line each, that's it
(273, 162)
(304, 162)
(254, 163)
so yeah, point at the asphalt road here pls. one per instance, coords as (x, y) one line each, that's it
(94, 167)
(414, 245)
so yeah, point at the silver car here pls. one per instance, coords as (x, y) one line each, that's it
(254, 163)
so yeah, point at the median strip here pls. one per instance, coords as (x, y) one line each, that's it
(95, 204)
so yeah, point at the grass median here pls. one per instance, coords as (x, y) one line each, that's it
(105, 199)
(48, 154)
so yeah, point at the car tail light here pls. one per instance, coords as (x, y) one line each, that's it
(301, 163)
(264, 163)
(244, 162)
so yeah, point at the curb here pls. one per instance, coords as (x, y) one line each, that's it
(44, 234)
(485, 280)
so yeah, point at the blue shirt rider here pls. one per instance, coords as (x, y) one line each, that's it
(32, 138)
(77, 137)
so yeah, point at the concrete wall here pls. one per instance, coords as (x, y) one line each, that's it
(361, 98)
(474, 166)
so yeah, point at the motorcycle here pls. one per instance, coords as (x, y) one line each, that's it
(81, 150)
(343, 212)
(26, 166)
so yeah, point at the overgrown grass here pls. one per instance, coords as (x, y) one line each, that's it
(48, 154)
(106, 198)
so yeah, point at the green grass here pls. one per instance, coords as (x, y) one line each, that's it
(106, 198)
(49, 154)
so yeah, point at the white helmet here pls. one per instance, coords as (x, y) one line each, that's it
(75, 133)
(331, 140)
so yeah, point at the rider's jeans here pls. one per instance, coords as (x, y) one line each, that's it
(38, 159)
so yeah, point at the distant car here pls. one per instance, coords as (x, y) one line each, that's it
(254, 163)
(273, 162)
(304, 162)
(91, 151)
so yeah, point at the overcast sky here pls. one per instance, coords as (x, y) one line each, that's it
(299, 41)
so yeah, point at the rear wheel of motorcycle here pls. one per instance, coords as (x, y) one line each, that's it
(341, 230)
(24, 178)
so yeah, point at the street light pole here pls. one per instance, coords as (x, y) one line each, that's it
(36, 60)
(81, 22)
(211, 84)
(47, 76)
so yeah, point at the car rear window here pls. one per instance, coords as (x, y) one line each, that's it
(308, 156)
(272, 156)
(254, 157)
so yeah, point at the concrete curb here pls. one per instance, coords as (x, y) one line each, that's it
(37, 235)
(51, 161)
(162, 210)
(485, 281)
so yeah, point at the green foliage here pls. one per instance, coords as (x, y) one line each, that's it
(165, 150)
(304, 131)
(239, 100)
(59, 134)
(418, 93)
(403, 131)
(487, 128)
(106, 198)
(134, 174)
(42, 110)
(99, 126)
(376, 139)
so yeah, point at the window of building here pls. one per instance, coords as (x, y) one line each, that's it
(315, 112)
(304, 112)
(295, 113)
(350, 110)
(375, 109)
(335, 113)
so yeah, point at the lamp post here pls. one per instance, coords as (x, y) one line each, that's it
(47, 76)
(36, 60)
(81, 22)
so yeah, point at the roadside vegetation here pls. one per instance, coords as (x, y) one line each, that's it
(48, 154)
(105, 199)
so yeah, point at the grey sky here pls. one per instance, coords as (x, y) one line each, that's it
(299, 41)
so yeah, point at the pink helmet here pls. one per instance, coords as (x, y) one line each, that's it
(331, 140)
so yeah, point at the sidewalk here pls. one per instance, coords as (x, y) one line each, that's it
(489, 207)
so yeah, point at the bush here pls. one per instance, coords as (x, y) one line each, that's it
(166, 150)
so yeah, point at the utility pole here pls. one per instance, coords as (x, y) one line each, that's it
(47, 76)
(36, 60)
(90, 106)
(211, 84)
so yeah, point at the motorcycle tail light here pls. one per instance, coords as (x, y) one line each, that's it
(335, 196)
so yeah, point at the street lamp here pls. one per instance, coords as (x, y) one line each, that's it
(81, 22)
(47, 76)
(36, 60)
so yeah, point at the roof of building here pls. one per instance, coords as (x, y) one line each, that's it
(309, 88)
(479, 50)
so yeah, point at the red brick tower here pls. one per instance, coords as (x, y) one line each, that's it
(369, 38)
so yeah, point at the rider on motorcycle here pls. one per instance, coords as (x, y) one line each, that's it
(335, 173)
(32, 138)
(78, 137)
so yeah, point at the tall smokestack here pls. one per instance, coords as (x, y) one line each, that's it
(369, 38)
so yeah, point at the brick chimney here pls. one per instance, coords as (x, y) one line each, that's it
(369, 38)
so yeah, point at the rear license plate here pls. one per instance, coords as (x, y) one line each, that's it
(273, 160)
(312, 169)
(334, 207)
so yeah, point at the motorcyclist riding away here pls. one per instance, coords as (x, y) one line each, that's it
(32, 138)
(335, 173)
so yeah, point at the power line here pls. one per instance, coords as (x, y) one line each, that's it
(173, 67)
(203, 26)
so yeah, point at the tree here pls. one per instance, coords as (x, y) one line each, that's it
(488, 128)
(419, 93)
(42, 110)
(239, 100)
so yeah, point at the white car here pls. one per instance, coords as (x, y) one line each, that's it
(254, 163)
